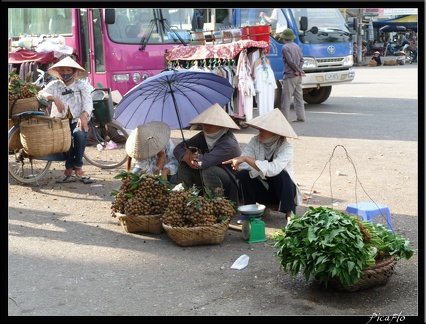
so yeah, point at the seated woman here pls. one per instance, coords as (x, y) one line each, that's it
(376, 57)
(150, 148)
(265, 167)
(400, 60)
(200, 157)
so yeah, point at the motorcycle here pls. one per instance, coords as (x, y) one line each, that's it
(408, 53)
(393, 48)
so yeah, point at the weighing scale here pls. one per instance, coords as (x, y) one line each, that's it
(253, 227)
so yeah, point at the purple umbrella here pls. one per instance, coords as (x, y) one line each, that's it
(173, 97)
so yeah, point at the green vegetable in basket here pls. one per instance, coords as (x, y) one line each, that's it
(327, 244)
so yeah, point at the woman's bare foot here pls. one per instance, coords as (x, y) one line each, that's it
(79, 172)
(68, 172)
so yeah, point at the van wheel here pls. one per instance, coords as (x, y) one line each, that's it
(316, 96)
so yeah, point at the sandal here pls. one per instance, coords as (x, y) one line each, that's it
(86, 180)
(67, 180)
(79, 172)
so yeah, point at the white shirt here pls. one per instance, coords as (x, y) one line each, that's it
(78, 101)
(277, 15)
(282, 160)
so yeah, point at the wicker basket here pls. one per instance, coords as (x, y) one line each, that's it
(21, 105)
(44, 136)
(15, 141)
(376, 275)
(203, 235)
(141, 223)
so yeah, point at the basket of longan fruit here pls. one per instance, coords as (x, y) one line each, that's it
(191, 219)
(22, 95)
(140, 202)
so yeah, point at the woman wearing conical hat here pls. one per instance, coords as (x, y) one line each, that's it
(150, 148)
(265, 167)
(70, 97)
(202, 155)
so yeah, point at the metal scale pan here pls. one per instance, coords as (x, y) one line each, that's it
(253, 227)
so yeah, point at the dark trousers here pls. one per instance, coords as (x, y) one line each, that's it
(211, 178)
(281, 190)
(76, 151)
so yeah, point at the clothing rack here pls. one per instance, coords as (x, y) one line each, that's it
(223, 59)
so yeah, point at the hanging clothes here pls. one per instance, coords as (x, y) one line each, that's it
(195, 66)
(246, 90)
(265, 85)
(229, 73)
(253, 56)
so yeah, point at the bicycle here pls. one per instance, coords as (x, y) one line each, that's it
(105, 149)
(106, 139)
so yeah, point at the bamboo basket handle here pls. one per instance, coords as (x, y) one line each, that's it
(48, 118)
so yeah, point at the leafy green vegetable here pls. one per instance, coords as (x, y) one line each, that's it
(326, 243)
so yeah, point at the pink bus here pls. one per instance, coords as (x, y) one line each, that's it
(120, 47)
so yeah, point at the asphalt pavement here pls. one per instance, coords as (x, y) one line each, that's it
(67, 255)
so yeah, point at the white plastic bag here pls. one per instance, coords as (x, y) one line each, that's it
(241, 262)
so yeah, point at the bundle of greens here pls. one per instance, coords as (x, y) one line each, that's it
(327, 244)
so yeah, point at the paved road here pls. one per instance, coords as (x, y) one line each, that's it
(68, 256)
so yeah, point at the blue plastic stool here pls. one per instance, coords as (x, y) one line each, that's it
(369, 210)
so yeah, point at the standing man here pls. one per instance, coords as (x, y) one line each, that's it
(278, 17)
(292, 78)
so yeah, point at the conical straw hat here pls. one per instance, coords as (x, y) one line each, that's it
(215, 115)
(68, 62)
(274, 122)
(147, 140)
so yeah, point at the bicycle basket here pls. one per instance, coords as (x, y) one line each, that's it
(15, 141)
(103, 109)
(21, 105)
(41, 137)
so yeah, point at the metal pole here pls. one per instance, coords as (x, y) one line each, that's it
(359, 40)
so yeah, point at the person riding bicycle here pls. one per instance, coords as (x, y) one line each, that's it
(70, 97)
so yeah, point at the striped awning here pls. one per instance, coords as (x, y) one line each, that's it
(408, 19)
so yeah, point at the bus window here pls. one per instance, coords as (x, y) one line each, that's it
(85, 59)
(132, 23)
(99, 48)
(60, 23)
(39, 21)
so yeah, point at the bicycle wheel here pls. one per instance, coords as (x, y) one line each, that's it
(106, 145)
(22, 167)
